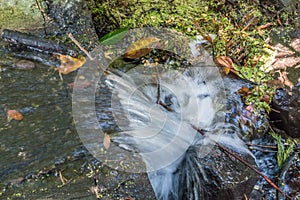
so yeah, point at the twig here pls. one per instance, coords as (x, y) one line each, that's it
(248, 24)
(164, 106)
(262, 149)
(43, 15)
(262, 146)
(62, 178)
(79, 46)
(121, 183)
(158, 86)
(31, 29)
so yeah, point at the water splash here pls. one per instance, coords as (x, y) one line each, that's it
(165, 137)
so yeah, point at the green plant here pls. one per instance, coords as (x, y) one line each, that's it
(113, 37)
(283, 151)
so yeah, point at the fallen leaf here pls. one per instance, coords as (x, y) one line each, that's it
(14, 114)
(284, 79)
(80, 85)
(225, 62)
(250, 108)
(69, 64)
(244, 91)
(106, 141)
(141, 47)
(209, 38)
(247, 114)
(266, 98)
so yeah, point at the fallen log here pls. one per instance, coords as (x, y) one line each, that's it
(37, 43)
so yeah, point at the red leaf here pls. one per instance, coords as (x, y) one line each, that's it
(14, 114)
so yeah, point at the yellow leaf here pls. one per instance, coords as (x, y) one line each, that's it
(69, 64)
(141, 47)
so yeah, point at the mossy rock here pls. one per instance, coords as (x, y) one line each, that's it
(18, 14)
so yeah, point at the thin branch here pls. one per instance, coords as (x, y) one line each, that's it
(79, 46)
(43, 15)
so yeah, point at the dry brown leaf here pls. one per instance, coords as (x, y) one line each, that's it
(244, 91)
(226, 63)
(284, 79)
(266, 98)
(208, 38)
(69, 64)
(14, 114)
(81, 85)
(106, 141)
(141, 47)
(274, 83)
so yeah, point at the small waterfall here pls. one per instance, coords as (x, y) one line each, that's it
(157, 113)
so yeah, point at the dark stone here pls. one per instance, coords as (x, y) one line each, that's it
(292, 177)
(71, 17)
(286, 113)
(227, 177)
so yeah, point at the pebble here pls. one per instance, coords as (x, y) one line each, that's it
(24, 64)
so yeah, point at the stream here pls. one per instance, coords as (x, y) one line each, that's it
(42, 155)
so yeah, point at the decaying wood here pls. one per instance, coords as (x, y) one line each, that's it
(36, 43)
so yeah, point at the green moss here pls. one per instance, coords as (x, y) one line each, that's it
(235, 25)
(16, 15)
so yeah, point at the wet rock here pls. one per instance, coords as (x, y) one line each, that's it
(267, 164)
(72, 17)
(286, 113)
(113, 184)
(80, 153)
(24, 64)
(60, 161)
(252, 125)
(18, 14)
(227, 177)
(291, 178)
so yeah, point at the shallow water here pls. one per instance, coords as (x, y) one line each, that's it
(46, 133)
(35, 150)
